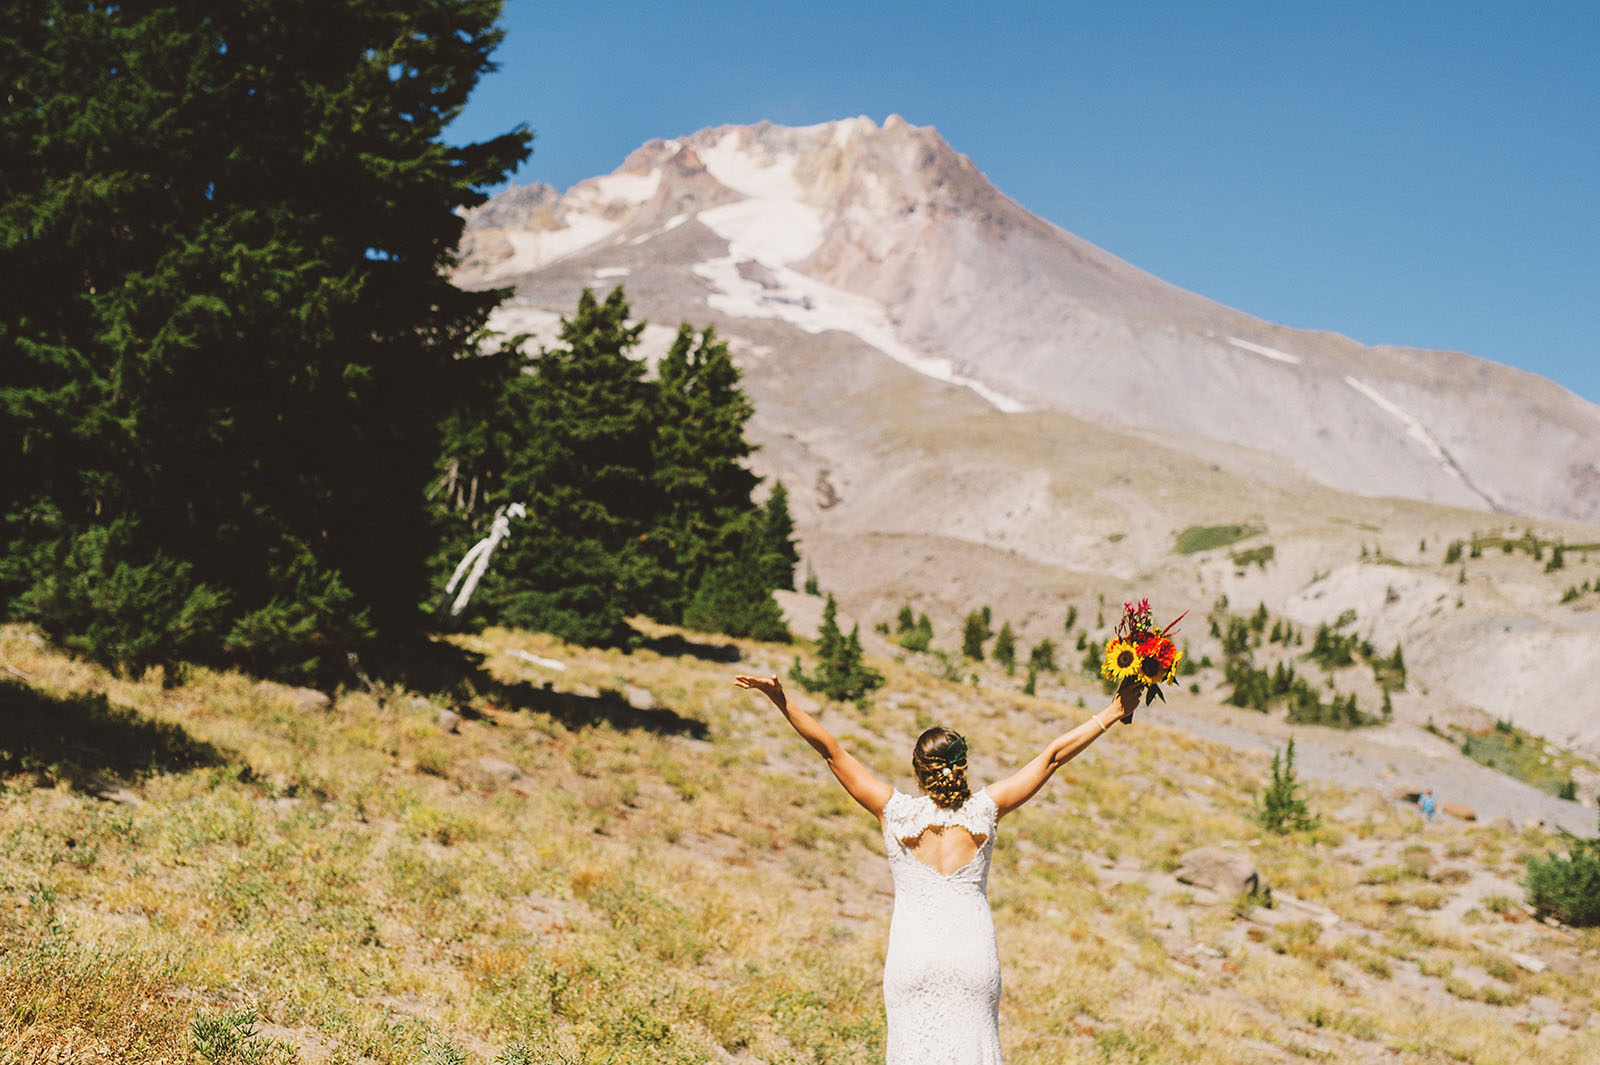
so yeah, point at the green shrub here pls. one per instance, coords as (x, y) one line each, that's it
(1567, 887)
(232, 1039)
(1258, 556)
(1205, 537)
(913, 633)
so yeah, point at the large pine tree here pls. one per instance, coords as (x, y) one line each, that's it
(583, 467)
(700, 454)
(226, 338)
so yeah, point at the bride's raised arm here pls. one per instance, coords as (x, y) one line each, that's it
(1020, 786)
(857, 779)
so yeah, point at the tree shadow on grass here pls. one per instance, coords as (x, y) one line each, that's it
(461, 675)
(575, 711)
(676, 646)
(86, 742)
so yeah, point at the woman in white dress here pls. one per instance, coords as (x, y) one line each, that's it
(941, 978)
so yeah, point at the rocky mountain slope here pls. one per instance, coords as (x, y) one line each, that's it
(972, 406)
(890, 235)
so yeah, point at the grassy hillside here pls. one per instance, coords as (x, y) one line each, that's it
(220, 870)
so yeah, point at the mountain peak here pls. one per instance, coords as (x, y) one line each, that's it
(888, 234)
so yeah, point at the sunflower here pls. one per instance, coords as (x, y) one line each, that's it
(1122, 661)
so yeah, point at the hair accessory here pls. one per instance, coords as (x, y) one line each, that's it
(956, 753)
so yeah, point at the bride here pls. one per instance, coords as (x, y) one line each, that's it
(941, 978)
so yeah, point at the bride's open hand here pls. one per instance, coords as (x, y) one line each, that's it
(771, 687)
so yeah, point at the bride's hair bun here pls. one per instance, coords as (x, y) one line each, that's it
(940, 762)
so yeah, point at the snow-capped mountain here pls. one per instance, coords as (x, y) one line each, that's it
(889, 235)
(971, 406)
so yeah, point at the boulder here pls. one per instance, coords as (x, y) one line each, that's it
(499, 769)
(302, 699)
(639, 698)
(449, 720)
(1458, 811)
(1225, 872)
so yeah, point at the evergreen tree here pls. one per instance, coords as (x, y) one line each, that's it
(226, 336)
(580, 563)
(1281, 808)
(700, 474)
(1396, 674)
(1042, 658)
(734, 600)
(973, 634)
(914, 633)
(779, 557)
(1005, 649)
(842, 672)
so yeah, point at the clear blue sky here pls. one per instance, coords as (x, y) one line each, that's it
(1421, 173)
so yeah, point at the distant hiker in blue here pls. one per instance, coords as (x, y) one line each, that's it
(1425, 801)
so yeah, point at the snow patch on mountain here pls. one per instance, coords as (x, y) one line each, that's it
(531, 249)
(749, 175)
(631, 189)
(1262, 349)
(772, 232)
(672, 223)
(1414, 429)
(511, 318)
(816, 307)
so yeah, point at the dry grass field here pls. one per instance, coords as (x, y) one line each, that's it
(626, 859)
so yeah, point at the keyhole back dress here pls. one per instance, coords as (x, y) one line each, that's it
(941, 977)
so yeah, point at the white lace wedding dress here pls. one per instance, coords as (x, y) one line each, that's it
(941, 978)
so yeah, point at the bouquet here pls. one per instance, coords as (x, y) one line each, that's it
(1138, 653)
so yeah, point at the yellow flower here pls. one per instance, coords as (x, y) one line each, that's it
(1122, 661)
(1172, 673)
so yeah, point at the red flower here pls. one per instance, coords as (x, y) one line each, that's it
(1159, 648)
